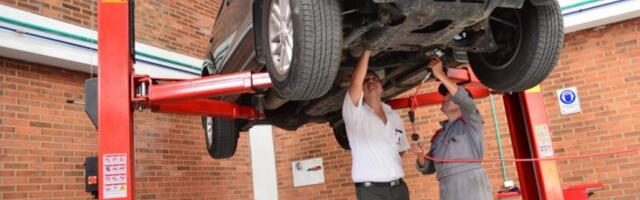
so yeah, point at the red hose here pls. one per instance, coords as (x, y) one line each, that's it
(412, 104)
(530, 159)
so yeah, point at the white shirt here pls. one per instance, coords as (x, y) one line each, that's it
(375, 146)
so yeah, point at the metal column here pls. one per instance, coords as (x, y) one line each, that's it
(115, 121)
(531, 138)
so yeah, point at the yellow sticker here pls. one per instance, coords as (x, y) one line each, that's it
(114, 1)
(534, 89)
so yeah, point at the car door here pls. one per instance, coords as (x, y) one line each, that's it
(231, 45)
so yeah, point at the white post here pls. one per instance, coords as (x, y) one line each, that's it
(263, 163)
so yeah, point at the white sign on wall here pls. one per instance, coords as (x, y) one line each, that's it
(307, 172)
(568, 100)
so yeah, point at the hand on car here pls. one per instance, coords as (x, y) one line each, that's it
(436, 66)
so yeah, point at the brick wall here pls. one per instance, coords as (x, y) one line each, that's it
(44, 140)
(604, 65)
(180, 26)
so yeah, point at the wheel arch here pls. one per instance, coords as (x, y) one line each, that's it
(258, 28)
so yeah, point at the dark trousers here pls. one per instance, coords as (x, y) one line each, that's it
(398, 192)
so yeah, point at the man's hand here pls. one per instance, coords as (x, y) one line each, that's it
(436, 67)
(417, 150)
(438, 71)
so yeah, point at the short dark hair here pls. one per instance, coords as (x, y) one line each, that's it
(443, 90)
(374, 73)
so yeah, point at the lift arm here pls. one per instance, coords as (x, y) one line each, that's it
(217, 85)
(191, 97)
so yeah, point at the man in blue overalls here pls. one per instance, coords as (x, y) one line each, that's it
(461, 137)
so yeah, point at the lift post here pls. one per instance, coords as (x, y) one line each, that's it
(531, 138)
(115, 119)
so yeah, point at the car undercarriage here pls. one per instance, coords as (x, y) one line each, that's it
(310, 48)
(402, 34)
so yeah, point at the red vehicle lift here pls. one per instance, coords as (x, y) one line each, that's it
(120, 92)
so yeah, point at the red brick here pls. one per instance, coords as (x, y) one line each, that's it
(51, 146)
(53, 187)
(16, 108)
(9, 188)
(73, 173)
(41, 194)
(26, 188)
(14, 195)
(39, 180)
(40, 124)
(28, 173)
(15, 165)
(64, 194)
(7, 173)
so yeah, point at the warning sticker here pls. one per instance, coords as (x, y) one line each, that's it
(543, 139)
(115, 175)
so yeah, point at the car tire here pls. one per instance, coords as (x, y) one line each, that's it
(221, 136)
(340, 133)
(309, 67)
(524, 57)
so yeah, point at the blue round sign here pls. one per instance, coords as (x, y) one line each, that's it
(567, 97)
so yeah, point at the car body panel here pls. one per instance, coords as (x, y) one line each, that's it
(232, 36)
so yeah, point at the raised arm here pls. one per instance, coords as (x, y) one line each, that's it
(357, 78)
(459, 95)
(438, 71)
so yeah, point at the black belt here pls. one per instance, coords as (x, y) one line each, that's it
(380, 184)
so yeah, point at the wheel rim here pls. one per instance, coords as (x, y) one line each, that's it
(506, 28)
(209, 129)
(281, 35)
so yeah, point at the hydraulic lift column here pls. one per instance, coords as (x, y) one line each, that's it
(116, 178)
(531, 138)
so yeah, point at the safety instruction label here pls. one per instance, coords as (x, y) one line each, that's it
(115, 175)
(543, 139)
(568, 100)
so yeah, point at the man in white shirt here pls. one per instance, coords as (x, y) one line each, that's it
(376, 137)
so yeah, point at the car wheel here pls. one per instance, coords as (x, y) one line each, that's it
(340, 132)
(221, 136)
(301, 40)
(529, 42)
